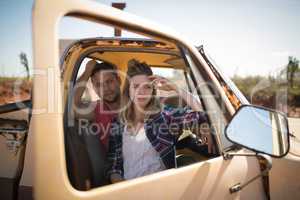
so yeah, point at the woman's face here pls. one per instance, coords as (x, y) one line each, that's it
(140, 90)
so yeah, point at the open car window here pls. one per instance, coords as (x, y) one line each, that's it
(85, 154)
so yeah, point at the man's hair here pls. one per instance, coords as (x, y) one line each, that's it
(103, 66)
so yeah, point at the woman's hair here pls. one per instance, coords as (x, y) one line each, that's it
(127, 113)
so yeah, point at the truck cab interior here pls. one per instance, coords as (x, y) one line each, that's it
(85, 156)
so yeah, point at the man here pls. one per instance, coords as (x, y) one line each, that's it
(106, 84)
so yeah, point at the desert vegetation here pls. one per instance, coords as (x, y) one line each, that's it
(14, 89)
(280, 91)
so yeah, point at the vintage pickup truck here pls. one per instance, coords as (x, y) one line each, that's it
(44, 157)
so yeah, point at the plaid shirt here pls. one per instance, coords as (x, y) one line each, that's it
(162, 130)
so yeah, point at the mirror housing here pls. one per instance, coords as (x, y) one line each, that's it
(259, 129)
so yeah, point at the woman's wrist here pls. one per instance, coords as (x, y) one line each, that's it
(181, 92)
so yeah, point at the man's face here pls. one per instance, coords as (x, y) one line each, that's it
(106, 85)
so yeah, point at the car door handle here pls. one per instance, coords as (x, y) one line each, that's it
(13, 130)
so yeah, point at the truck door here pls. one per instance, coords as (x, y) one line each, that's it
(14, 123)
(210, 179)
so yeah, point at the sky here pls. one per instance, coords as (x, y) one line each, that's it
(243, 37)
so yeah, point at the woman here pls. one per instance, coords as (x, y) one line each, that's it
(142, 138)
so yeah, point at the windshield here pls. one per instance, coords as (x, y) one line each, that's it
(225, 79)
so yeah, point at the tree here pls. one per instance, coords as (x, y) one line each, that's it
(24, 62)
(291, 69)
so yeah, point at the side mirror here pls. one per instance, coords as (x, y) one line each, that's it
(259, 129)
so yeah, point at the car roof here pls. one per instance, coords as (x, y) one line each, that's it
(119, 51)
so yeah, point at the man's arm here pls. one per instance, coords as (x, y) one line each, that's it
(78, 105)
(116, 178)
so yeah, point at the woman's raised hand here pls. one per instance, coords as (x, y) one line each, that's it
(162, 83)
